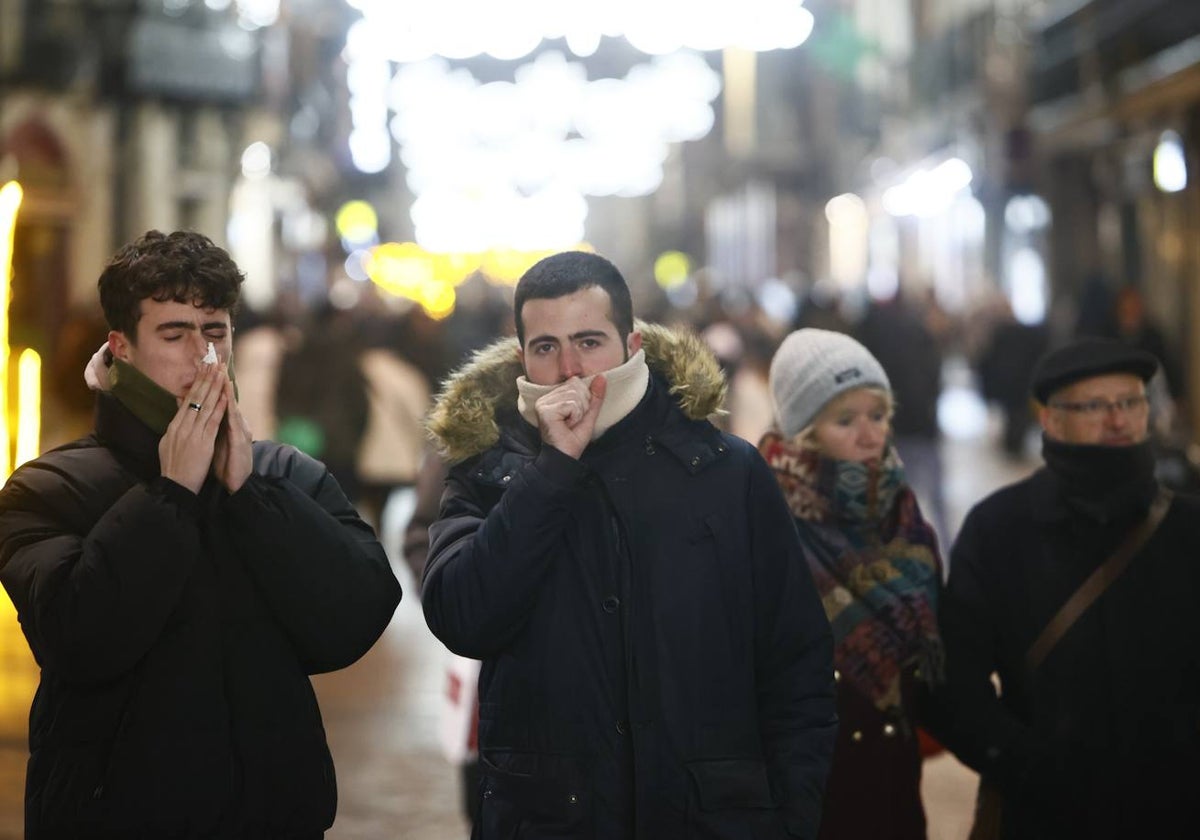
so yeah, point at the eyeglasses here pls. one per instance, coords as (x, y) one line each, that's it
(1099, 407)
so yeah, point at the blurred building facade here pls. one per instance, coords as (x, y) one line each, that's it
(1114, 115)
(953, 148)
(118, 116)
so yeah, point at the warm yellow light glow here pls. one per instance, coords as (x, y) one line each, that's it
(741, 108)
(455, 268)
(407, 270)
(400, 268)
(357, 222)
(505, 267)
(672, 269)
(10, 201)
(29, 406)
(848, 228)
(438, 301)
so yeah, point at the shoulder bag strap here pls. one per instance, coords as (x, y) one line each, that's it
(1098, 581)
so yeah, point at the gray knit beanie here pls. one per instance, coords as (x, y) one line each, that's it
(813, 366)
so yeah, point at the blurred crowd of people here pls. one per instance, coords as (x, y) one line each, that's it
(351, 384)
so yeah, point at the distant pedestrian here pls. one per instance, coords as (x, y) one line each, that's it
(322, 398)
(1004, 368)
(897, 335)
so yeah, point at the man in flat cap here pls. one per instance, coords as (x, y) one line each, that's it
(1071, 622)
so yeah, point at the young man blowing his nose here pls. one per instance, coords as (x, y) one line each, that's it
(178, 583)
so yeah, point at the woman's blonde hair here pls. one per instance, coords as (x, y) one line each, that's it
(807, 437)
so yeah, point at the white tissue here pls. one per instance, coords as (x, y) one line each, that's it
(210, 358)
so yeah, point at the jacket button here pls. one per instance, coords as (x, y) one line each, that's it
(856, 736)
(506, 479)
(696, 461)
(487, 794)
(611, 604)
(889, 730)
(572, 799)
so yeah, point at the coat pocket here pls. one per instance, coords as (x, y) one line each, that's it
(732, 801)
(533, 795)
(728, 783)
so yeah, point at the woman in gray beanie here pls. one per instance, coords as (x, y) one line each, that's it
(876, 564)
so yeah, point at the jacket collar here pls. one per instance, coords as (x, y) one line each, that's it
(478, 398)
(1049, 505)
(656, 424)
(118, 429)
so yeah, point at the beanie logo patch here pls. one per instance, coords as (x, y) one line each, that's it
(847, 375)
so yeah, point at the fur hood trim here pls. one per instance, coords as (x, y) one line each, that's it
(462, 422)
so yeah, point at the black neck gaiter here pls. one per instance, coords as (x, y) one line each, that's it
(1105, 483)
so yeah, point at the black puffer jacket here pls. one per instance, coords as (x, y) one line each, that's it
(656, 661)
(176, 634)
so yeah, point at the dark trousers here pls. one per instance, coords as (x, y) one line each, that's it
(470, 791)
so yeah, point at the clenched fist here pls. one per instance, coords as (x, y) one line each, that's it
(567, 415)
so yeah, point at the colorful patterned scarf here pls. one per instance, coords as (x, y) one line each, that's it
(875, 562)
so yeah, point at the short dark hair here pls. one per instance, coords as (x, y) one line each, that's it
(183, 266)
(568, 272)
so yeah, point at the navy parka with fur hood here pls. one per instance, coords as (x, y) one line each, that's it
(656, 661)
(176, 633)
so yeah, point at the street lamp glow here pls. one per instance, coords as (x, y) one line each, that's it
(256, 161)
(29, 405)
(928, 192)
(672, 269)
(1170, 163)
(10, 202)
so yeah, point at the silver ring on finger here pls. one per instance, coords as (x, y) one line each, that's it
(195, 406)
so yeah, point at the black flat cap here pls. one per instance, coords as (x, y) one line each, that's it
(1086, 358)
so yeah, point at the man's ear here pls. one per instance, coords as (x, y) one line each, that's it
(119, 345)
(1045, 419)
(633, 343)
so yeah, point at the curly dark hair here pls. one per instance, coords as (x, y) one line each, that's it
(183, 266)
(568, 272)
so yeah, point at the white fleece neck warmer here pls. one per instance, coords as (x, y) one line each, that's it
(627, 385)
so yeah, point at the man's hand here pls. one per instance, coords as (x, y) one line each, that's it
(233, 459)
(185, 451)
(567, 415)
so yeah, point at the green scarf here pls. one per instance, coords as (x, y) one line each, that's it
(149, 401)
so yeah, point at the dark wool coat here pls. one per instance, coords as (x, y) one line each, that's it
(176, 634)
(874, 788)
(1103, 740)
(876, 759)
(656, 662)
